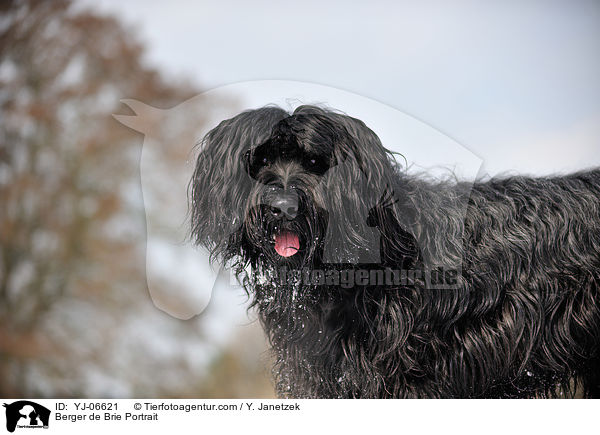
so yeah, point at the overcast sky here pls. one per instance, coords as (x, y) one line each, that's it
(516, 82)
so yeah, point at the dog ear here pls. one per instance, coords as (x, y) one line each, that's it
(220, 185)
(363, 195)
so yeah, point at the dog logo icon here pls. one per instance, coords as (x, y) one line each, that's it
(26, 414)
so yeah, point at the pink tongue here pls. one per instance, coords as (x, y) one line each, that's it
(287, 244)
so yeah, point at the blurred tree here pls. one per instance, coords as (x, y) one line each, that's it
(71, 216)
(64, 160)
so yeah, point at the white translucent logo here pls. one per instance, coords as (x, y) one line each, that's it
(179, 277)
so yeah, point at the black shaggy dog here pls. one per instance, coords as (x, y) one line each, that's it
(373, 283)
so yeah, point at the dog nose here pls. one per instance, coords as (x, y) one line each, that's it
(285, 205)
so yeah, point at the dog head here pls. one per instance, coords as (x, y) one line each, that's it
(273, 188)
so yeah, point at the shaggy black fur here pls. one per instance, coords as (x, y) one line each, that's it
(518, 316)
